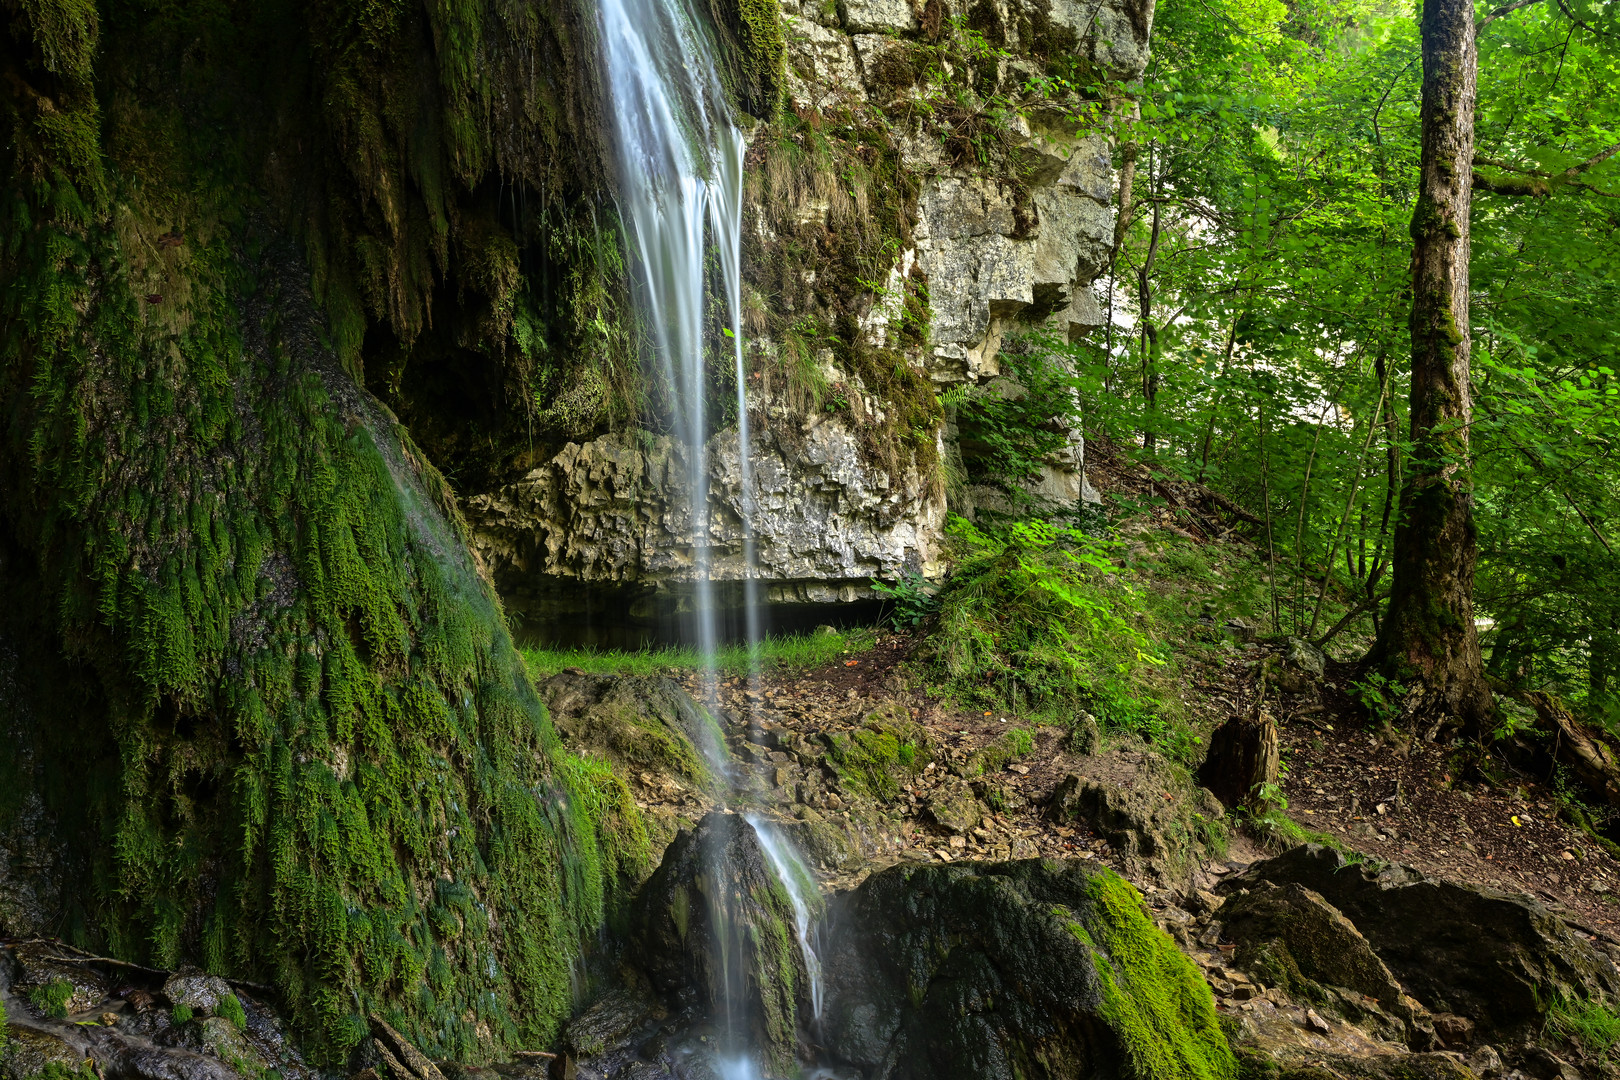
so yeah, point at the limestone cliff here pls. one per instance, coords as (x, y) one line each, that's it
(941, 177)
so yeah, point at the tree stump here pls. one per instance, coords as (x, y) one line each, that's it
(1243, 756)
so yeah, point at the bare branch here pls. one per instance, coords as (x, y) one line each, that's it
(1506, 9)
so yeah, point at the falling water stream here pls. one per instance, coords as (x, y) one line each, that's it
(680, 160)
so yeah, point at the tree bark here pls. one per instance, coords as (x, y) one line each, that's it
(1243, 759)
(1428, 639)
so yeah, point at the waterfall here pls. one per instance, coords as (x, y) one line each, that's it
(680, 161)
(680, 171)
(800, 883)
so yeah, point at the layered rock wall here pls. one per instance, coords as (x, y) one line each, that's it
(970, 222)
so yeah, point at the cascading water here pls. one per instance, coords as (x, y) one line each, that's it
(680, 162)
(799, 882)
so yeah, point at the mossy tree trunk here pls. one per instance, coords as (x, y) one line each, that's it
(1428, 638)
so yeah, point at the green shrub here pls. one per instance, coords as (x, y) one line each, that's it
(1037, 620)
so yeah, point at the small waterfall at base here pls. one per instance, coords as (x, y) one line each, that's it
(680, 160)
(799, 882)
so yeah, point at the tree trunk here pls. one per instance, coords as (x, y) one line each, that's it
(1243, 759)
(1428, 639)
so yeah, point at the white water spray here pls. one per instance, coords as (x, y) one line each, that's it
(680, 161)
(800, 884)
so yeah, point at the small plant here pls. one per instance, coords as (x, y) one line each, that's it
(230, 1008)
(1512, 720)
(1593, 1025)
(52, 998)
(914, 598)
(1380, 696)
(182, 1014)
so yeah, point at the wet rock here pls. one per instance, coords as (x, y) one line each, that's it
(609, 1022)
(1034, 969)
(953, 806)
(642, 723)
(826, 841)
(1480, 953)
(198, 992)
(27, 1052)
(713, 916)
(404, 1061)
(47, 972)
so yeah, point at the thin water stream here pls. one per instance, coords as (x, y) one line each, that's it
(680, 159)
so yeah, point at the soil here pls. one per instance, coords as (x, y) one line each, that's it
(1385, 797)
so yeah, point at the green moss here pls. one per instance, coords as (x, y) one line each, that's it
(52, 998)
(1153, 998)
(181, 1014)
(310, 697)
(56, 1070)
(230, 1008)
(1017, 743)
(754, 53)
(874, 758)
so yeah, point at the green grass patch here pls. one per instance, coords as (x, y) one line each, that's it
(1591, 1024)
(775, 653)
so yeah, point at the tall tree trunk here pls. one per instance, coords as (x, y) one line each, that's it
(1428, 638)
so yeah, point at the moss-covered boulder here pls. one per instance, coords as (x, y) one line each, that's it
(715, 934)
(1035, 969)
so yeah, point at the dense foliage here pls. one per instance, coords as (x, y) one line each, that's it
(1259, 341)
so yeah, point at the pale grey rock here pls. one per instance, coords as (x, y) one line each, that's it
(1114, 36)
(877, 16)
(614, 511)
(823, 12)
(820, 66)
(198, 992)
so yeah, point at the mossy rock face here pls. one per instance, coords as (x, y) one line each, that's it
(714, 916)
(639, 723)
(1034, 969)
(1493, 957)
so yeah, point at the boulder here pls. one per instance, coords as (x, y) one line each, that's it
(1146, 809)
(714, 933)
(1489, 956)
(1306, 658)
(1290, 937)
(640, 723)
(1031, 969)
(198, 992)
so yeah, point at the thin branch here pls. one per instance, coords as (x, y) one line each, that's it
(1378, 137)
(1506, 9)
